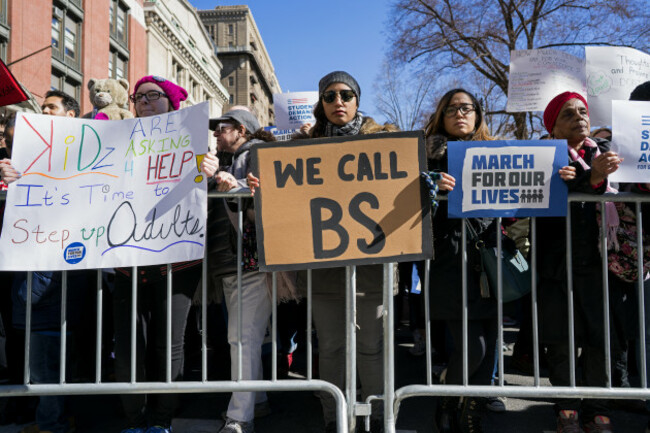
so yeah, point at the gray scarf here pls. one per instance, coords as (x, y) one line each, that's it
(351, 128)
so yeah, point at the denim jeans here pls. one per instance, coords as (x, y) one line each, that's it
(45, 348)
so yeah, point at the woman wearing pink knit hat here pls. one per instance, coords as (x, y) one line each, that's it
(590, 163)
(152, 96)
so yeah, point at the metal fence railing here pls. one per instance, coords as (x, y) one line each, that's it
(347, 406)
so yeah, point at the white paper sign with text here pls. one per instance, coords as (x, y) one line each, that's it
(292, 110)
(103, 194)
(631, 140)
(537, 76)
(612, 74)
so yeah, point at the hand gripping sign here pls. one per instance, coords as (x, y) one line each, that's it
(101, 194)
(342, 201)
(507, 178)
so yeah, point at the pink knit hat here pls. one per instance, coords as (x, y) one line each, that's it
(174, 92)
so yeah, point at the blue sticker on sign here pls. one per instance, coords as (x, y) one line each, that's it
(74, 253)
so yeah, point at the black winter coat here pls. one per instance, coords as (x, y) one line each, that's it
(445, 290)
(587, 274)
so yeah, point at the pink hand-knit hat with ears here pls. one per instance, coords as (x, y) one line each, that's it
(174, 92)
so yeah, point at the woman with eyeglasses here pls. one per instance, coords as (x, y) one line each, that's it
(152, 96)
(459, 117)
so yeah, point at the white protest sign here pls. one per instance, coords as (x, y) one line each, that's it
(537, 76)
(631, 140)
(612, 74)
(102, 194)
(292, 110)
(281, 134)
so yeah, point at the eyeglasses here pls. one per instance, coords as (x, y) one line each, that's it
(223, 127)
(330, 96)
(464, 109)
(151, 95)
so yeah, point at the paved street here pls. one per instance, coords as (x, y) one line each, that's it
(300, 411)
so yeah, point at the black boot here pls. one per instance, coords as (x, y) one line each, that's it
(447, 414)
(471, 414)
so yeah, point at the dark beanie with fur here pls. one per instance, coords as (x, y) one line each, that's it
(339, 77)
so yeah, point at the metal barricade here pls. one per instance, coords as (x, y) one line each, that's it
(537, 390)
(346, 405)
(237, 384)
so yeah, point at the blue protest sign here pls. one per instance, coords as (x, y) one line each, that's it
(507, 178)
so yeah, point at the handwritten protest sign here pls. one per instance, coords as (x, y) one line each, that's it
(100, 194)
(10, 90)
(345, 200)
(631, 140)
(516, 178)
(612, 74)
(537, 76)
(292, 110)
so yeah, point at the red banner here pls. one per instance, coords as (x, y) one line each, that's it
(10, 90)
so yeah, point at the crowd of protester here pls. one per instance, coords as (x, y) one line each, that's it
(458, 116)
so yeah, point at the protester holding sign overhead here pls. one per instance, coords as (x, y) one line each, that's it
(567, 117)
(152, 96)
(459, 117)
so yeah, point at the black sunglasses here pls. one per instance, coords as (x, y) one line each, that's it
(330, 96)
(151, 95)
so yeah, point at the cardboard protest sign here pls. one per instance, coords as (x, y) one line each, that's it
(10, 90)
(612, 74)
(514, 178)
(537, 76)
(342, 201)
(101, 194)
(292, 110)
(631, 140)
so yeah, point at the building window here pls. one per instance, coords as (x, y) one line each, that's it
(231, 44)
(253, 46)
(65, 84)
(231, 100)
(253, 98)
(71, 41)
(231, 81)
(56, 29)
(117, 65)
(66, 36)
(118, 21)
(177, 72)
(231, 29)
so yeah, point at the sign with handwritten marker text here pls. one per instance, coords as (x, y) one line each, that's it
(514, 178)
(537, 76)
(340, 201)
(612, 74)
(102, 194)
